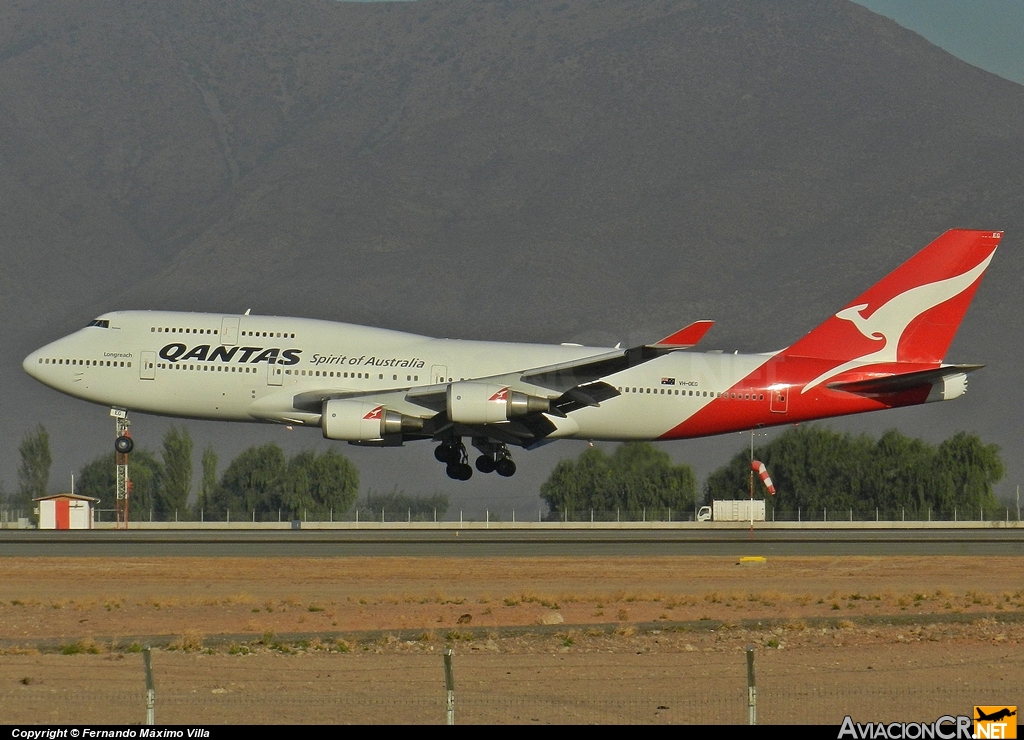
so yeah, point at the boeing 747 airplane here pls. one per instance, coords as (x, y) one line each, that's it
(371, 386)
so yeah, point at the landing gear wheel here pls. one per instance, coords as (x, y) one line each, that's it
(485, 464)
(459, 471)
(124, 445)
(448, 453)
(505, 467)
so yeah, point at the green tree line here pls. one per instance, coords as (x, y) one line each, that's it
(635, 477)
(261, 480)
(814, 468)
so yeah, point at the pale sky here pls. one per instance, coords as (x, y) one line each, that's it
(985, 33)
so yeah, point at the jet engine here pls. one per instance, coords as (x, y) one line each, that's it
(361, 421)
(484, 403)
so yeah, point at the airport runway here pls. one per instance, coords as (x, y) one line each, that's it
(510, 543)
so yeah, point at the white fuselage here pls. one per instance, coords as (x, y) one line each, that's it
(250, 368)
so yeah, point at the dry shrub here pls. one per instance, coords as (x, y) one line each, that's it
(241, 598)
(532, 598)
(190, 641)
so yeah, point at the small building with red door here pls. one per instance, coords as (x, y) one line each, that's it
(65, 511)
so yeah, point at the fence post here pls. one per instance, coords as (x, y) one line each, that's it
(150, 688)
(751, 689)
(449, 685)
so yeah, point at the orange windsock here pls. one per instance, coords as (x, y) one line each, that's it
(758, 467)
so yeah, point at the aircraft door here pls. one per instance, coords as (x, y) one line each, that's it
(780, 400)
(147, 368)
(275, 374)
(229, 330)
(438, 373)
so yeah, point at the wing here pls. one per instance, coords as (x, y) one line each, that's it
(554, 390)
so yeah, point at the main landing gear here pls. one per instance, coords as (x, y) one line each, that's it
(494, 458)
(453, 455)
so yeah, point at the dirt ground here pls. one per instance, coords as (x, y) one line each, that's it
(535, 640)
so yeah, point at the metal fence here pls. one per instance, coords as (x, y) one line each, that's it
(540, 515)
(368, 686)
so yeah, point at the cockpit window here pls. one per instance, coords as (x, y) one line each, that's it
(102, 323)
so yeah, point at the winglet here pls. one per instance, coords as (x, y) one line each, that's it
(686, 337)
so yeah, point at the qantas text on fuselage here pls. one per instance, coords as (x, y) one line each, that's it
(379, 387)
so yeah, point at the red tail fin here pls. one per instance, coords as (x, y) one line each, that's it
(912, 314)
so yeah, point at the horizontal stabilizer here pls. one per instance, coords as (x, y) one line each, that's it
(902, 381)
(686, 337)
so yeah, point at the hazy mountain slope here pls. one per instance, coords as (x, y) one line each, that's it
(545, 171)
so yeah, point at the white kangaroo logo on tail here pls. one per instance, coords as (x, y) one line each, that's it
(891, 319)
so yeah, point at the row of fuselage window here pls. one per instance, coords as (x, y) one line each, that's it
(331, 374)
(210, 368)
(252, 369)
(176, 330)
(702, 394)
(365, 376)
(84, 363)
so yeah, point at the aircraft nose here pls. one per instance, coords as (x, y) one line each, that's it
(31, 364)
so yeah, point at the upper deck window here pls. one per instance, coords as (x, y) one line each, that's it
(102, 323)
